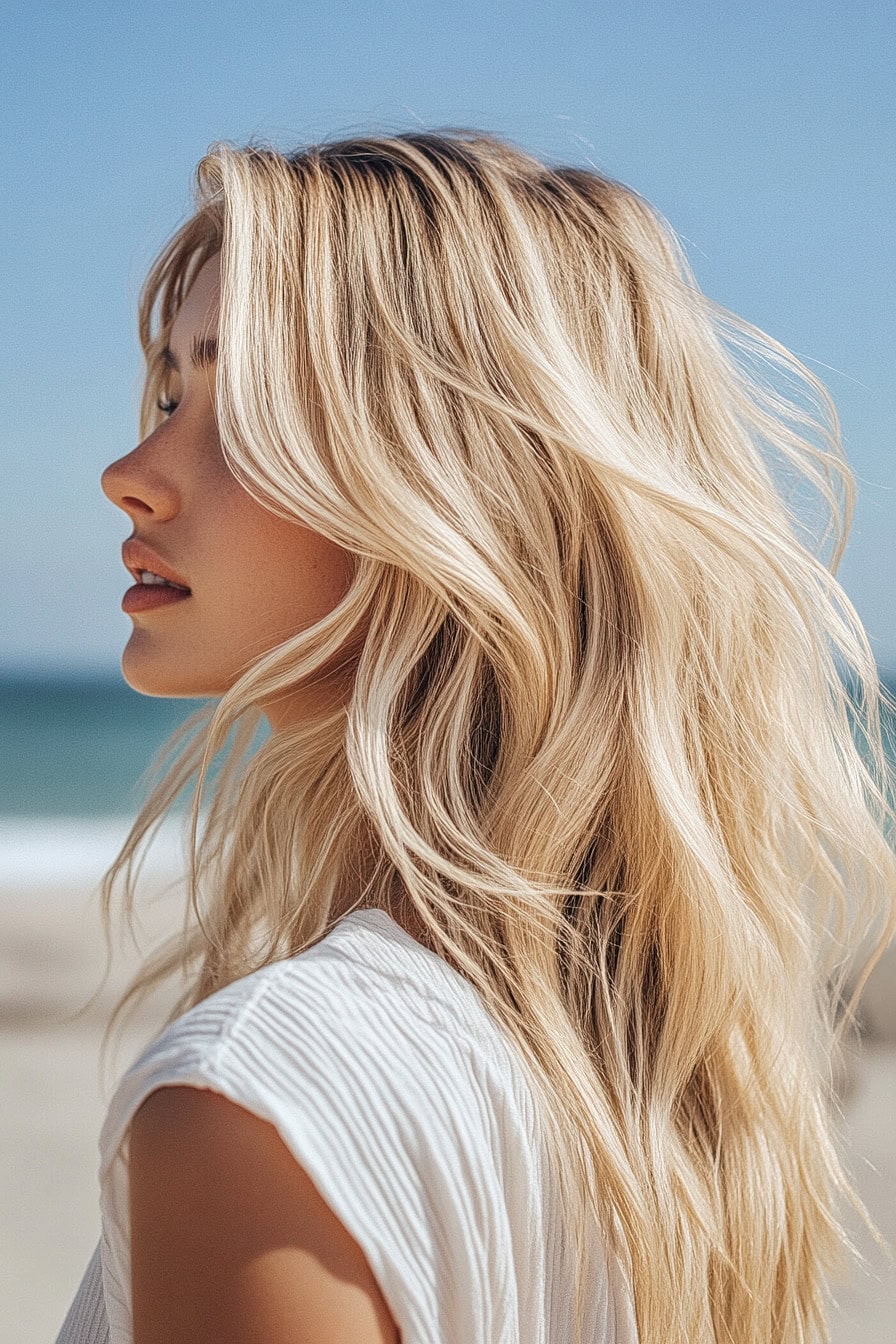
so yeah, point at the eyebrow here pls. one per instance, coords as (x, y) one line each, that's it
(203, 352)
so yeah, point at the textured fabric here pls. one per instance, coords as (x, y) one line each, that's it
(87, 1321)
(410, 1109)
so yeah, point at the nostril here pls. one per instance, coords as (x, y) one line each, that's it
(159, 497)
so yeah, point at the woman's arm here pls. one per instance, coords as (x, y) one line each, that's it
(231, 1241)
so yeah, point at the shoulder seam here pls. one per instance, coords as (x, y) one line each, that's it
(225, 1042)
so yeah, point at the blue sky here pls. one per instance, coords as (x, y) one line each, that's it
(763, 132)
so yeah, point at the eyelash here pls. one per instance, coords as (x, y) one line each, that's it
(167, 406)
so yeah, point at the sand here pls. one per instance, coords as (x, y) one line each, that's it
(53, 1096)
(52, 1103)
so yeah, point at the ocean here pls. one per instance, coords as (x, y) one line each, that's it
(71, 754)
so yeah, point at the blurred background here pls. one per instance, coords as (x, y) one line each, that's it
(763, 133)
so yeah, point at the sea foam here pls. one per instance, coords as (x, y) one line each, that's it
(76, 851)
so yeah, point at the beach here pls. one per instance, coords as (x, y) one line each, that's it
(52, 1103)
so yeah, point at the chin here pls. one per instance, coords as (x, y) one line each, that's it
(153, 674)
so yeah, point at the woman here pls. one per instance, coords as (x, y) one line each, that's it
(515, 949)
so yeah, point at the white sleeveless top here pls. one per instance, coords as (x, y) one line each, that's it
(409, 1108)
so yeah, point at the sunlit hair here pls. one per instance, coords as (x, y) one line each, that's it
(601, 734)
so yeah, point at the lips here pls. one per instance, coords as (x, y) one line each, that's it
(137, 556)
(150, 596)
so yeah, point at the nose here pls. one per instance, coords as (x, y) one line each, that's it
(139, 488)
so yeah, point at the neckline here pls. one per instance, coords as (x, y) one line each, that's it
(465, 997)
(376, 916)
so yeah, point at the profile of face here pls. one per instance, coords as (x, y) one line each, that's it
(254, 578)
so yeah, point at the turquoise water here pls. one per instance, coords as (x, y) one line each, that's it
(77, 748)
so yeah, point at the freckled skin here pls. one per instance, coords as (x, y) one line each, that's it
(256, 578)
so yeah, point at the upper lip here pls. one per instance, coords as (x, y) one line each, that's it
(137, 556)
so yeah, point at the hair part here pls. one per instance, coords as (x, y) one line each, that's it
(597, 739)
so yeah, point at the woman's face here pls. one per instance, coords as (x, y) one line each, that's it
(254, 579)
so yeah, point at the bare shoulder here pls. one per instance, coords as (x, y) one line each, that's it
(231, 1240)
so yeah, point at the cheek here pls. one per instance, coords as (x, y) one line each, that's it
(282, 577)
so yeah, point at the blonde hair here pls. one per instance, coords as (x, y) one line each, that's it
(600, 736)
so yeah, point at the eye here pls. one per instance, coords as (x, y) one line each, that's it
(167, 406)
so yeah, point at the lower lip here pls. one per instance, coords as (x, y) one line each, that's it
(148, 596)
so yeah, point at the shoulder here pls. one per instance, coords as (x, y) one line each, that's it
(231, 1239)
(377, 1075)
(270, 1029)
(344, 1047)
(355, 1012)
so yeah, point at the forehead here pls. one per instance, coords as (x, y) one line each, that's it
(199, 310)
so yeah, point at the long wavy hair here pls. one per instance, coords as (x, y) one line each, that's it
(612, 734)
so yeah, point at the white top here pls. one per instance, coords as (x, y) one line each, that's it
(410, 1109)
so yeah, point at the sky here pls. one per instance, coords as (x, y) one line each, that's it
(762, 132)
